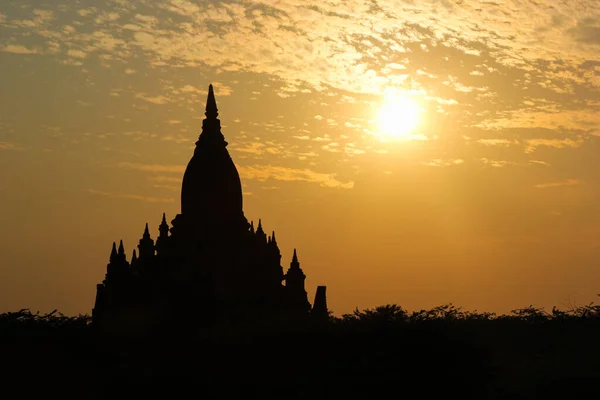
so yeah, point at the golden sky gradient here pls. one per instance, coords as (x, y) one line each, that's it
(414, 152)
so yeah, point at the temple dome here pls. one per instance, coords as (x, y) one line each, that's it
(211, 191)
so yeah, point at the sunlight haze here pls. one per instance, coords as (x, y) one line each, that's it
(413, 152)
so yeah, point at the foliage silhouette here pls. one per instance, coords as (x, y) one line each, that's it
(445, 351)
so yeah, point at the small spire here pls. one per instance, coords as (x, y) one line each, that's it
(211, 104)
(113, 253)
(163, 228)
(269, 240)
(273, 240)
(134, 257)
(259, 229)
(252, 226)
(146, 231)
(121, 248)
(295, 257)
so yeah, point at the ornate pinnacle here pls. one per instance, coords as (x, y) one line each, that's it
(113, 253)
(211, 104)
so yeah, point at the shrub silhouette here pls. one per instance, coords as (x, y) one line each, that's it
(445, 351)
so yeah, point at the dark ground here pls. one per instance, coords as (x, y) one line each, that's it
(380, 353)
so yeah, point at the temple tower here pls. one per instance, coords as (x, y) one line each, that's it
(294, 284)
(211, 193)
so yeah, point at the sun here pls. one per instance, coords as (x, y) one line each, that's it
(399, 116)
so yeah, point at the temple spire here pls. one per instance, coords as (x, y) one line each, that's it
(146, 246)
(121, 257)
(113, 253)
(134, 257)
(294, 284)
(163, 228)
(211, 104)
(273, 238)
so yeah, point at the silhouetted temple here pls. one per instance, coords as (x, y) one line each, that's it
(211, 264)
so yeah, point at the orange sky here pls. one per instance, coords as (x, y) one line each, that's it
(419, 154)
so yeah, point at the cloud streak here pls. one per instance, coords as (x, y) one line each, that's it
(568, 182)
(127, 196)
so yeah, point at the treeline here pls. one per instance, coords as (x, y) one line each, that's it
(390, 314)
(393, 314)
(386, 351)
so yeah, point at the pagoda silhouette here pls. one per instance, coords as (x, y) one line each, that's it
(211, 265)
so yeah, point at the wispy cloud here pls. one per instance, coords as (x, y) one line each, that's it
(438, 162)
(127, 196)
(152, 167)
(153, 99)
(9, 146)
(497, 163)
(555, 143)
(497, 142)
(18, 49)
(265, 172)
(568, 182)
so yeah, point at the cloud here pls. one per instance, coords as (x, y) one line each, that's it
(538, 162)
(153, 99)
(9, 146)
(221, 89)
(496, 163)
(568, 182)
(443, 163)
(165, 179)
(76, 53)
(529, 75)
(152, 167)
(587, 31)
(255, 172)
(497, 142)
(254, 148)
(18, 49)
(532, 144)
(265, 172)
(131, 196)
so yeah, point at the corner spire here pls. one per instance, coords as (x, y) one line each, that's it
(164, 219)
(113, 253)
(295, 257)
(211, 104)
(121, 248)
(146, 231)
(273, 238)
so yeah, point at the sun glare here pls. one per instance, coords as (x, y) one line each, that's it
(399, 116)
